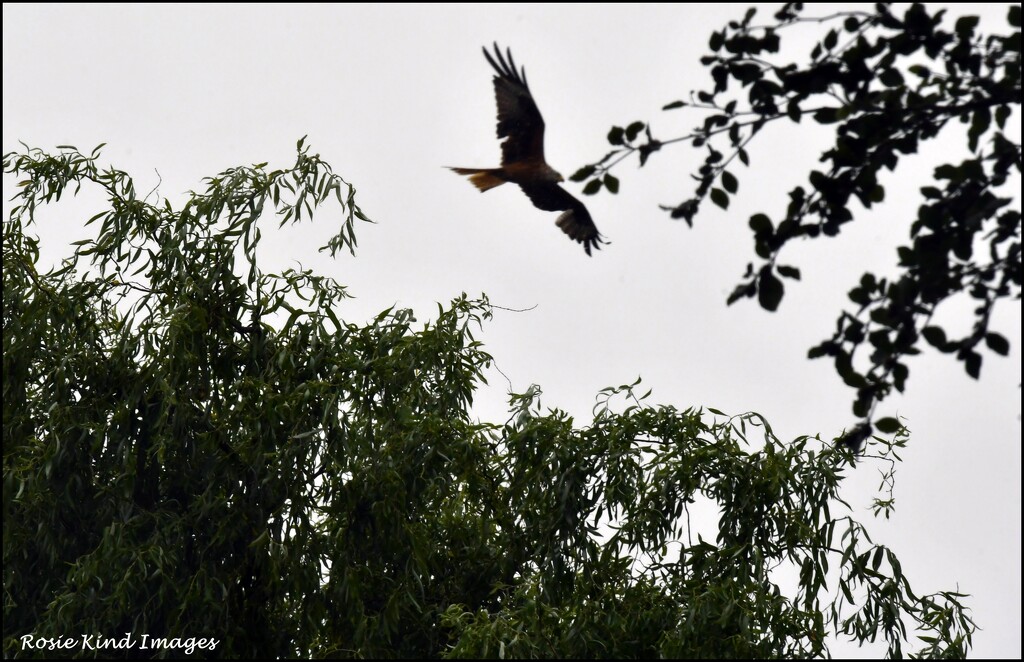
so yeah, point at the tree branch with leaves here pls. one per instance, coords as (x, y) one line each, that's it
(886, 84)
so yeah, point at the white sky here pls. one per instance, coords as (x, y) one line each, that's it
(389, 95)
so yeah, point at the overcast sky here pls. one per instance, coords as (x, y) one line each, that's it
(389, 95)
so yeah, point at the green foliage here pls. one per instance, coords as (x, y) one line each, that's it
(886, 84)
(195, 448)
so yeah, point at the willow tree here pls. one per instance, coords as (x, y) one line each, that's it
(204, 458)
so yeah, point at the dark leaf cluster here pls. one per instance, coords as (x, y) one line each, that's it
(884, 83)
(196, 449)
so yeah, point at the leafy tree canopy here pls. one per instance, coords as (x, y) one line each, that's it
(886, 83)
(194, 448)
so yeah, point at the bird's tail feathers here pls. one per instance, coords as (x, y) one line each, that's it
(482, 179)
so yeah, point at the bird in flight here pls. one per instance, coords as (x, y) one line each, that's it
(522, 155)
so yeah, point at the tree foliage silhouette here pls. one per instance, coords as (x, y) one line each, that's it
(886, 83)
(202, 452)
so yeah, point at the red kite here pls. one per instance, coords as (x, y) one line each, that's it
(522, 155)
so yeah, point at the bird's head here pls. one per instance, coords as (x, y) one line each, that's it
(552, 175)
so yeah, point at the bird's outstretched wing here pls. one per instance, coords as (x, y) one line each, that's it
(519, 121)
(575, 221)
